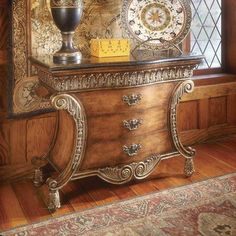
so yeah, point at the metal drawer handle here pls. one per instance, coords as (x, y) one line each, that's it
(132, 150)
(132, 99)
(132, 124)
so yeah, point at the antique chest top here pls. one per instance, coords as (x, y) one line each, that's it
(91, 73)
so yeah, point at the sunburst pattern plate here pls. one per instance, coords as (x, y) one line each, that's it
(156, 24)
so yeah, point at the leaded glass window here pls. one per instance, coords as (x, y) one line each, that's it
(206, 31)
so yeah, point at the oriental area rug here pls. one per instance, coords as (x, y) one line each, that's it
(206, 208)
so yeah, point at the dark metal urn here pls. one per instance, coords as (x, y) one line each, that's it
(66, 15)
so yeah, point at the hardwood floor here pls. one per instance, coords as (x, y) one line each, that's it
(22, 203)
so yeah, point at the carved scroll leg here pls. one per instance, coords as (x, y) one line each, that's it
(187, 152)
(188, 167)
(38, 163)
(54, 201)
(75, 109)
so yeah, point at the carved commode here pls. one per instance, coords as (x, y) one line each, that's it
(116, 120)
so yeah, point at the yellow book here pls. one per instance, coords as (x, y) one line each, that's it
(110, 47)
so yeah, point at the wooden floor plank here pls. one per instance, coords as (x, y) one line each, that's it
(123, 191)
(209, 166)
(78, 198)
(228, 143)
(99, 191)
(11, 213)
(216, 151)
(143, 187)
(34, 208)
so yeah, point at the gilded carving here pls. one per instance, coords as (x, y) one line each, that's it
(135, 170)
(114, 79)
(45, 36)
(19, 39)
(74, 108)
(65, 3)
(188, 167)
(188, 152)
(25, 98)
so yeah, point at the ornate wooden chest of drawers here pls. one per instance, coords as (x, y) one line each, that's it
(116, 120)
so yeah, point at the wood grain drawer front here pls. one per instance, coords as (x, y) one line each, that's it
(111, 153)
(108, 141)
(111, 127)
(107, 102)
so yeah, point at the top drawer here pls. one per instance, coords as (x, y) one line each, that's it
(107, 102)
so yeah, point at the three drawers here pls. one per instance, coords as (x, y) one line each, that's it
(126, 125)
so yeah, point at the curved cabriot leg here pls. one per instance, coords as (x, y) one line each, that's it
(188, 152)
(75, 109)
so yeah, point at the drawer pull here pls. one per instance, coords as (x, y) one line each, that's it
(132, 124)
(132, 150)
(132, 99)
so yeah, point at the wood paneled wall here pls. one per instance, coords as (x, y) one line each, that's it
(208, 112)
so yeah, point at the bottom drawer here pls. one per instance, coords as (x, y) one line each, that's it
(111, 153)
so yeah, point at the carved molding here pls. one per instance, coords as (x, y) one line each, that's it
(185, 87)
(25, 98)
(74, 108)
(114, 79)
(188, 167)
(65, 3)
(20, 53)
(135, 170)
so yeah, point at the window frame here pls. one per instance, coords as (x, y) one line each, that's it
(216, 70)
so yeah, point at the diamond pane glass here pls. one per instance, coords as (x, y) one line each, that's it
(206, 31)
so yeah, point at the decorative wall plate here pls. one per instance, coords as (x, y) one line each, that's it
(156, 24)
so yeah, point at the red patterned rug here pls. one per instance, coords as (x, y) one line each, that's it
(205, 208)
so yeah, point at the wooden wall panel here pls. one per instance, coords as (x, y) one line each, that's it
(39, 135)
(217, 110)
(17, 142)
(231, 109)
(203, 115)
(20, 140)
(4, 143)
(188, 115)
